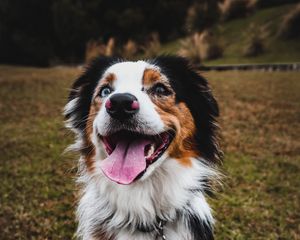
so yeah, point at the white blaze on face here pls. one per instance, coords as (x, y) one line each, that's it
(129, 79)
(129, 76)
(128, 160)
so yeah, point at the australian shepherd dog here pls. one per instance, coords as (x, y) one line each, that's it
(147, 135)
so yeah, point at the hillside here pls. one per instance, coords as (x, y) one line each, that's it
(234, 35)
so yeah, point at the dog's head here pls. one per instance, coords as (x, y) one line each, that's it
(130, 117)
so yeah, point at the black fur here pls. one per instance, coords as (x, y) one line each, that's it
(200, 230)
(84, 87)
(193, 90)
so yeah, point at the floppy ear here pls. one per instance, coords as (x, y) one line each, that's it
(77, 109)
(194, 91)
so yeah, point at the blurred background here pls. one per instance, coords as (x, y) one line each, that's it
(45, 43)
(53, 32)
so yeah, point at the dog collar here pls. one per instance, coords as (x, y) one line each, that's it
(158, 228)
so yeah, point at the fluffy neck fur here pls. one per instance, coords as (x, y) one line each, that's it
(173, 193)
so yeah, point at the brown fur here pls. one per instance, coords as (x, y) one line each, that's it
(175, 116)
(109, 79)
(179, 117)
(95, 108)
(90, 153)
(150, 77)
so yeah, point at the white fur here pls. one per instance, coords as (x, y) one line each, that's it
(167, 189)
(68, 109)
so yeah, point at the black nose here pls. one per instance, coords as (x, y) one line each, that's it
(122, 106)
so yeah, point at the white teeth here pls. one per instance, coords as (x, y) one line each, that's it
(151, 150)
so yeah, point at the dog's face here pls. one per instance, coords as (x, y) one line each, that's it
(133, 116)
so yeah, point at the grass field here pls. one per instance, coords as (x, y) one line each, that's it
(260, 127)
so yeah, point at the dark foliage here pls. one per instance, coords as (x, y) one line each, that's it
(37, 32)
(26, 32)
(254, 48)
(202, 15)
(232, 9)
(272, 3)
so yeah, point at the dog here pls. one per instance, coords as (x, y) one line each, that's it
(147, 134)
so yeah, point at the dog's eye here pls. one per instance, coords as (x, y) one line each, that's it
(105, 91)
(160, 89)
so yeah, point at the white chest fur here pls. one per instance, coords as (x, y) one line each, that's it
(118, 209)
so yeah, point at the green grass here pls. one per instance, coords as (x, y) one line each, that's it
(260, 127)
(234, 36)
(36, 190)
(260, 121)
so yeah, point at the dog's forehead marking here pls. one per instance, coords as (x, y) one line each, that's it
(129, 75)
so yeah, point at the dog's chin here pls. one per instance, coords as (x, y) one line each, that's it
(130, 154)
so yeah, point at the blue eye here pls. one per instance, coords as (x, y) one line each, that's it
(105, 91)
(160, 89)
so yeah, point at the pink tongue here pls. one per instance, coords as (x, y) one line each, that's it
(126, 162)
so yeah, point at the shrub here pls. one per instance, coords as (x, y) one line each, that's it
(290, 27)
(152, 47)
(110, 47)
(130, 49)
(201, 46)
(232, 9)
(190, 48)
(202, 15)
(210, 48)
(256, 43)
(254, 48)
(98, 48)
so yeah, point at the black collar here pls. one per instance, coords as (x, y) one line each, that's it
(158, 228)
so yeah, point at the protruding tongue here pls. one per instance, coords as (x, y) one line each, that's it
(126, 162)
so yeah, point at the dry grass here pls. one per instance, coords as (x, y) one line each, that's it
(200, 46)
(232, 9)
(98, 48)
(290, 27)
(260, 120)
(130, 49)
(260, 125)
(37, 190)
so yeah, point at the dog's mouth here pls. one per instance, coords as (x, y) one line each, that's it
(130, 154)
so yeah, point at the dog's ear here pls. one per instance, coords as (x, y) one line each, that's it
(77, 109)
(192, 89)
